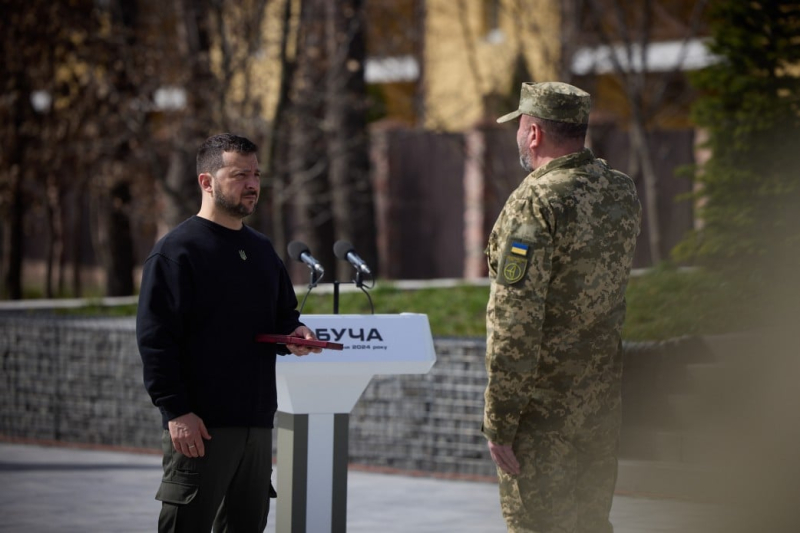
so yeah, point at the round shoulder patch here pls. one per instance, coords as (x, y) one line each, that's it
(514, 268)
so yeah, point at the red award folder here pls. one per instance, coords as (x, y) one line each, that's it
(288, 339)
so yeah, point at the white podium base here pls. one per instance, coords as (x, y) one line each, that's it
(317, 392)
(312, 473)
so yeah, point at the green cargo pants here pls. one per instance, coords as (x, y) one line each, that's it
(229, 487)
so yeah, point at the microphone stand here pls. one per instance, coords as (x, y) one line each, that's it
(359, 282)
(336, 297)
(312, 283)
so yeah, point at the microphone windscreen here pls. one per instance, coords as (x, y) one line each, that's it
(295, 249)
(341, 249)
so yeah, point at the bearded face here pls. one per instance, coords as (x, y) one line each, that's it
(236, 185)
(236, 205)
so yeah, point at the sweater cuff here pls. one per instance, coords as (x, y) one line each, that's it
(490, 434)
(503, 436)
(174, 408)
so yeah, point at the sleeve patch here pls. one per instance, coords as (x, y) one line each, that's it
(514, 262)
(519, 249)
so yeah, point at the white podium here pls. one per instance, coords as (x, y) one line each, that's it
(315, 396)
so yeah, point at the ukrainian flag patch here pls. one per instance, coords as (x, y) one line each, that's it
(519, 249)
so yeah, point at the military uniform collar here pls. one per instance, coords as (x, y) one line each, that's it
(572, 160)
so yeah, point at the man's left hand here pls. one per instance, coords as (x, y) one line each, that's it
(305, 333)
(505, 458)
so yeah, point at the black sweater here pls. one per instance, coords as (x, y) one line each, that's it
(206, 292)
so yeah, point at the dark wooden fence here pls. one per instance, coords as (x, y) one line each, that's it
(438, 195)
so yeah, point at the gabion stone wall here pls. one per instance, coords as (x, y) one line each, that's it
(74, 380)
(431, 422)
(80, 381)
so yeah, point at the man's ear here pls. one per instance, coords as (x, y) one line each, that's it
(204, 180)
(534, 135)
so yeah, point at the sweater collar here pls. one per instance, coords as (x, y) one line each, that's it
(219, 228)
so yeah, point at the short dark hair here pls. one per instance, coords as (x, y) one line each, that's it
(562, 131)
(209, 155)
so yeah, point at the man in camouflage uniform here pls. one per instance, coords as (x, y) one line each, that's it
(559, 255)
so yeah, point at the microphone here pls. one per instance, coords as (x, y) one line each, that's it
(345, 251)
(300, 252)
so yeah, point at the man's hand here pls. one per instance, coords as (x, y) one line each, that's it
(304, 333)
(504, 457)
(187, 433)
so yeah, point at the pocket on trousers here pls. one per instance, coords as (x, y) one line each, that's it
(179, 490)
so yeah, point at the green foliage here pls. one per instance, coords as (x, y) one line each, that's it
(750, 107)
(666, 303)
(662, 303)
(98, 309)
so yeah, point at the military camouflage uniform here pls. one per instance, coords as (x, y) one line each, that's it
(560, 255)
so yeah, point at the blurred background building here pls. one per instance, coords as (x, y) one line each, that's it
(375, 120)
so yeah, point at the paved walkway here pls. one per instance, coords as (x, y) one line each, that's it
(45, 489)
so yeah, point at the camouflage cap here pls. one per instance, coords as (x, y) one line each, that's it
(552, 100)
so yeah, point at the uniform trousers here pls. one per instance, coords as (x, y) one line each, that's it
(568, 463)
(229, 487)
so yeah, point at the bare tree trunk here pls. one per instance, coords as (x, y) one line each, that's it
(275, 166)
(119, 273)
(13, 239)
(634, 77)
(640, 147)
(308, 155)
(116, 218)
(55, 240)
(18, 86)
(469, 43)
(112, 234)
(420, 10)
(180, 189)
(348, 143)
(61, 258)
(570, 29)
(77, 236)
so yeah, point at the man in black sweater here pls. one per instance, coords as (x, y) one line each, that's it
(208, 288)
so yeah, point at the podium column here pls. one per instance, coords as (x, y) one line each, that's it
(312, 473)
(316, 394)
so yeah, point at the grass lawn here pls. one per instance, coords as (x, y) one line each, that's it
(452, 312)
(663, 303)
